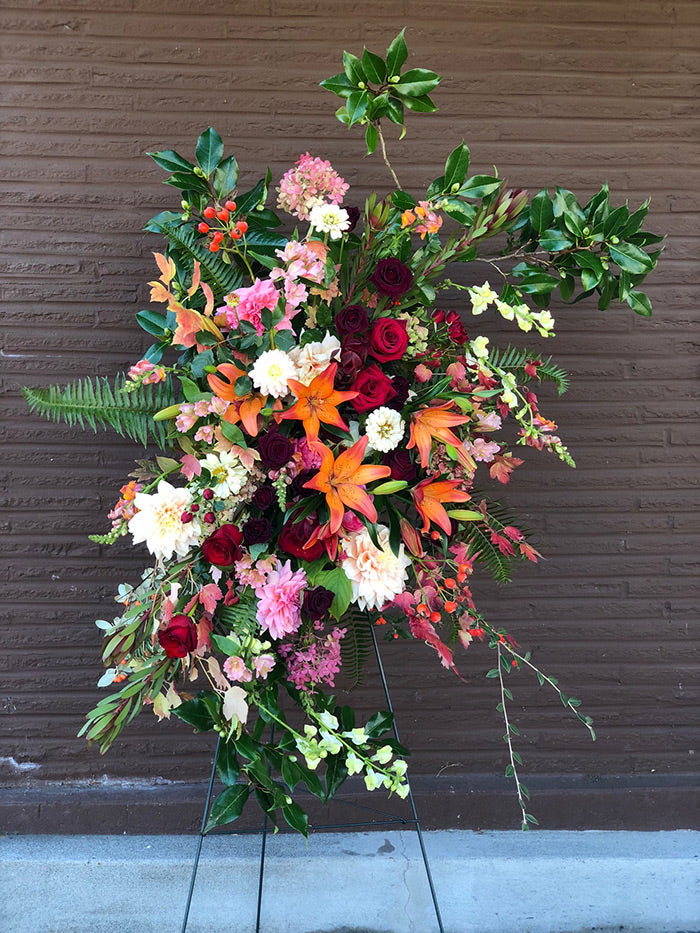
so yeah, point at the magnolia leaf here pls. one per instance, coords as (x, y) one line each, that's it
(396, 54)
(235, 707)
(209, 151)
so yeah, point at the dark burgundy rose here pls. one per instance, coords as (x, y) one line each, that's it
(223, 547)
(388, 339)
(257, 531)
(353, 216)
(179, 637)
(293, 537)
(353, 353)
(264, 498)
(401, 386)
(296, 488)
(401, 465)
(351, 320)
(275, 450)
(317, 602)
(374, 389)
(392, 277)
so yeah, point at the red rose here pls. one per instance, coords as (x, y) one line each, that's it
(179, 637)
(392, 277)
(293, 537)
(351, 320)
(222, 548)
(374, 389)
(388, 339)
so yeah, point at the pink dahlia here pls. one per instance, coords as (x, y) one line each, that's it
(251, 303)
(279, 600)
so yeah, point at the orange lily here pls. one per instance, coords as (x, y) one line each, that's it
(317, 402)
(428, 497)
(342, 480)
(244, 408)
(436, 422)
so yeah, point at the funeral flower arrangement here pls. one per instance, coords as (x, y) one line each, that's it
(327, 434)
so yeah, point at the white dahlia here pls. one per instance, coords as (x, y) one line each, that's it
(376, 574)
(330, 219)
(271, 371)
(159, 522)
(384, 428)
(228, 475)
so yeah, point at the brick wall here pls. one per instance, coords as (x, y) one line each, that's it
(571, 93)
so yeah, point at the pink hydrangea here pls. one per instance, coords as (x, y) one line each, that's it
(308, 183)
(279, 600)
(251, 303)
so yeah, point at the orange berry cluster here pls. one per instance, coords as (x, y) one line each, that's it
(234, 229)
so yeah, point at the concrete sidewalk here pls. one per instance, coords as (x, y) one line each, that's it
(492, 882)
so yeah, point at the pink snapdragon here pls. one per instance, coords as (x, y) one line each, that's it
(279, 600)
(236, 671)
(145, 373)
(309, 182)
(187, 418)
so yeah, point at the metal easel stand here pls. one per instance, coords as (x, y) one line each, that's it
(414, 821)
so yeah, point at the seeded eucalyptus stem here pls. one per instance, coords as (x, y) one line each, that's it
(512, 770)
(386, 157)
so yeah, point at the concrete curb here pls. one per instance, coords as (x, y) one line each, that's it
(496, 882)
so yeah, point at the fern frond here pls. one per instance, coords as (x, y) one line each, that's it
(241, 618)
(184, 245)
(97, 404)
(355, 646)
(515, 358)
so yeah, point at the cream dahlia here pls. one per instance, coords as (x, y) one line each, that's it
(159, 522)
(228, 475)
(384, 428)
(376, 574)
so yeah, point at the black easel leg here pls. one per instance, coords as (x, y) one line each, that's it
(416, 822)
(263, 846)
(195, 867)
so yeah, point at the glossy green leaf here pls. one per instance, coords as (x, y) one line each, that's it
(416, 82)
(296, 818)
(396, 54)
(228, 806)
(356, 107)
(422, 104)
(639, 302)
(171, 161)
(197, 712)
(153, 322)
(339, 84)
(186, 181)
(631, 258)
(371, 138)
(480, 186)
(209, 150)
(554, 240)
(457, 166)
(225, 177)
(373, 67)
(233, 434)
(227, 766)
(353, 68)
(541, 211)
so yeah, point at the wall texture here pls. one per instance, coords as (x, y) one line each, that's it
(570, 92)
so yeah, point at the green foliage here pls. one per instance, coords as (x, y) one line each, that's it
(374, 88)
(515, 358)
(601, 249)
(356, 646)
(97, 403)
(185, 249)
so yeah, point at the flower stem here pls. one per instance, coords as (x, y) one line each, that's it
(386, 157)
